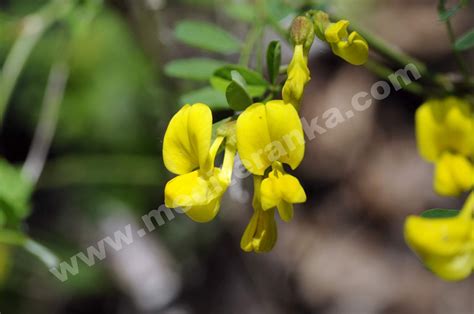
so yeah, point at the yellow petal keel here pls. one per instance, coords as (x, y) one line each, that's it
(261, 232)
(281, 190)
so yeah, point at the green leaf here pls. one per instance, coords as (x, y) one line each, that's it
(273, 60)
(240, 11)
(207, 36)
(236, 76)
(440, 213)
(198, 69)
(214, 99)
(256, 84)
(445, 14)
(279, 9)
(15, 192)
(237, 96)
(465, 42)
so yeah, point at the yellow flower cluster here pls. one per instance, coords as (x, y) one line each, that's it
(446, 245)
(445, 136)
(267, 136)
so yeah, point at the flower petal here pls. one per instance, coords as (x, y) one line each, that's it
(246, 243)
(291, 189)
(204, 213)
(285, 210)
(261, 232)
(453, 175)
(298, 76)
(270, 193)
(286, 134)
(444, 244)
(336, 32)
(187, 139)
(252, 138)
(446, 124)
(281, 191)
(351, 47)
(192, 189)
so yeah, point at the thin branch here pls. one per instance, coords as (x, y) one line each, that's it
(17, 238)
(459, 60)
(46, 127)
(34, 26)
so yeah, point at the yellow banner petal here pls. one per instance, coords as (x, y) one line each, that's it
(444, 125)
(253, 138)
(187, 139)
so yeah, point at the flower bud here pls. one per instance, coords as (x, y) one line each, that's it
(302, 32)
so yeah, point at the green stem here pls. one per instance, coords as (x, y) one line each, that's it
(390, 52)
(46, 126)
(34, 26)
(384, 72)
(16, 238)
(250, 41)
(459, 60)
(400, 58)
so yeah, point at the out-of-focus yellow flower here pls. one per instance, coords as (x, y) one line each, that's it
(351, 47)
(445, 125)
(445, 245)
(261, 232)
(281, 190)
(445, 136)
(267, 133)
(298, 76)
(453, 175)
(187, 152)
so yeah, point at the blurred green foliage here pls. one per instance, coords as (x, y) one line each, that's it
(101, 98)
(15, 192)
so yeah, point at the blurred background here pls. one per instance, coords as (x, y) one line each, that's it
(343, 253)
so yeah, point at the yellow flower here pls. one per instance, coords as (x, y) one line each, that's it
(351, 47)
(268, 136)
(267, 133)
(281, 190)
(261, 232)
(445, 136)
(298, 76)
(445, 245)
(445, 125)
(187, 152)
(453, 175)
